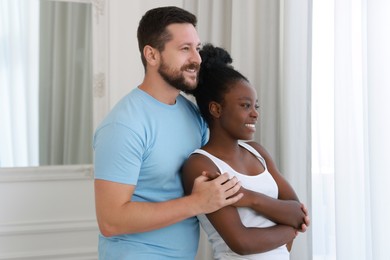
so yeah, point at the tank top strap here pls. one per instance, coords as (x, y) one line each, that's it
(221, 165)
(253, 151)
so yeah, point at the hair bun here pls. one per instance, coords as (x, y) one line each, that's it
(214, 56)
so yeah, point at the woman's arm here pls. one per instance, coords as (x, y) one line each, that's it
(248, 240)
(242, 240)
(286, 209)
(286, 212)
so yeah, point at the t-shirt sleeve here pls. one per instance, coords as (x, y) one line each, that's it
(118, 152)
(205, 132)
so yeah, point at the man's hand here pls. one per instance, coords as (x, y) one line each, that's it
(211, 175)
(215, 191)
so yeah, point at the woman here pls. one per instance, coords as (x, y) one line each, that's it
(263, 224)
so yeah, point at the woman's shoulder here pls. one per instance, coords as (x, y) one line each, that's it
(199, 160)
(194, 167)
(258, 148)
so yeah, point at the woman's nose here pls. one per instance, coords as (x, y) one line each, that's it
(255, 113)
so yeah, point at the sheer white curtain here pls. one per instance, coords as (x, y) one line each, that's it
(356, 212)
(293, 98)
(19, 34)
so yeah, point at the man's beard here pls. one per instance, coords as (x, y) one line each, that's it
(176, 79)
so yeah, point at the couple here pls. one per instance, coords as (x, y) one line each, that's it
(149, 189)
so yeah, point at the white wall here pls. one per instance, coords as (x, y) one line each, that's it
(47, 213)
(125, 67)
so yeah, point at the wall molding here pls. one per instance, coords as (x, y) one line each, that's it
(99, 85)
(47, 173)
(85, 253)
(50, 226)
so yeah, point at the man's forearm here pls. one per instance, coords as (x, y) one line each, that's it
(136, 217)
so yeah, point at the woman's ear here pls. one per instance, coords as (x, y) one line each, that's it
(215, 109)
(151, 55)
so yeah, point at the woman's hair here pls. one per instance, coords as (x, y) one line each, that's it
(216, 76)
(152, 26)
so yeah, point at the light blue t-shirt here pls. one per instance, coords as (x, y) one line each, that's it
(144, 142)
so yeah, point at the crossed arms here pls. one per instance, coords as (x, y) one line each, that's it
(289, 214)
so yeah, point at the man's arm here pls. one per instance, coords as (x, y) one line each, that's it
(117, 214)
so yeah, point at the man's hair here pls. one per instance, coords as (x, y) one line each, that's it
(152, 26)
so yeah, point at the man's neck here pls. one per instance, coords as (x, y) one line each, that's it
(160, 90)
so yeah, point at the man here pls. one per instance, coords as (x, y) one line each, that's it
(141, 145)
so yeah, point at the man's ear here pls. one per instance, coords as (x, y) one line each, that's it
(151, 55)
(215, 109)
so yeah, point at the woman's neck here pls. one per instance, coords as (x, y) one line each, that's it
(221, 145)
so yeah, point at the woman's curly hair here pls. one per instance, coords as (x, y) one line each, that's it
(216, 76)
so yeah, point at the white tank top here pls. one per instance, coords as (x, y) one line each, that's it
(262, 183)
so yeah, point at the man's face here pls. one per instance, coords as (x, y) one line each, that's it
(180, 60)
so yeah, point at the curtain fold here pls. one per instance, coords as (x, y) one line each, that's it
(378, 122)
(19, 31)
(323, 195)
(350, 140)
(294, 101)
(65, 84)
(361, 128)
(360, 63)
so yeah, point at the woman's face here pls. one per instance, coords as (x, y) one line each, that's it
(239, 111)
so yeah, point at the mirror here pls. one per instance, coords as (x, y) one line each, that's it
(51, 123)
(65, 83)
